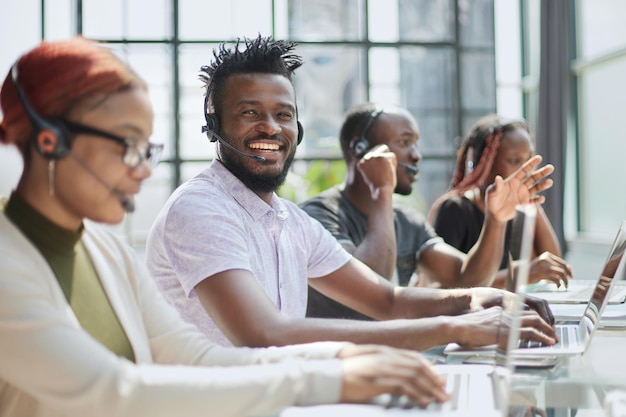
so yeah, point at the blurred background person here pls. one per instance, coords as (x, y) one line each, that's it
(494, 146)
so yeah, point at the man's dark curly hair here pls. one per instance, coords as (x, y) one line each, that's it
(261, 55)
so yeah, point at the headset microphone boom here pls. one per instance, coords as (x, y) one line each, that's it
(215, 136)
(126, 203)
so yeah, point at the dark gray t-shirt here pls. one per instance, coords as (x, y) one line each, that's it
(349, 225)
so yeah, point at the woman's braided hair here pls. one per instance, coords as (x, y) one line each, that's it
(477, 154)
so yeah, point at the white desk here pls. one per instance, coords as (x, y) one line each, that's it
(577, 386)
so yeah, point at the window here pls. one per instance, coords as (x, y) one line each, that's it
(434, 57)
(599, 69)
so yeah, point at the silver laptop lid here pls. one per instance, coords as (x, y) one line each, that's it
(520, 249)
(613, 266)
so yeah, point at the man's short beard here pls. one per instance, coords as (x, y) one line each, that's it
(255, 182)
(403, 190)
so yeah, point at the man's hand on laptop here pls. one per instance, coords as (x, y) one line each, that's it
(534, 328)
(485, 297)
(541, 306)
(481, 328)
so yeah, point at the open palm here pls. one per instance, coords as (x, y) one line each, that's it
(521, 187)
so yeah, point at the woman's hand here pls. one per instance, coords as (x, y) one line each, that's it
(371, 370)
(521, 187)
(550, 267)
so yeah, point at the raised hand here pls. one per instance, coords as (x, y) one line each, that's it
(371, 370)
(378, 168)
(521, 187)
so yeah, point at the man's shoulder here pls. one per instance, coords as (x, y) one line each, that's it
(290, 206)
(207, 185)
(410, 216)
(198, 197)
(413, 230)
(332, 194)
(329, 202)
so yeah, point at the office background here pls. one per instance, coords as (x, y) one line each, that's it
(559, 63)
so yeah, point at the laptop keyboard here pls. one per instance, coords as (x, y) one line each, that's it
(453, 387)
(562, 332)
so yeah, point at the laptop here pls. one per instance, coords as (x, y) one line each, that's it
(476, 390)
(579, 291)
(574, 337)
(484, 389)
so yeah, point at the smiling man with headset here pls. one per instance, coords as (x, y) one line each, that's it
(235, 259)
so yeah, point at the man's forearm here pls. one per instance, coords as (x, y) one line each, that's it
(418, 334)
(430, 302)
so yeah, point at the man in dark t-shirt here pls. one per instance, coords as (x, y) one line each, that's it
(349, 226)
(380, 150)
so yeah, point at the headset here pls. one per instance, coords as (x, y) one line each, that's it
(50, 137)
(53, 141)
(212, 127)
(361, 144)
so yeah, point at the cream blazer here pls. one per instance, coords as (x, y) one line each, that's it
(50, 367)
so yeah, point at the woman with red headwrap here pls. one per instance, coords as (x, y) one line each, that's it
(494, 146)
(83, 329)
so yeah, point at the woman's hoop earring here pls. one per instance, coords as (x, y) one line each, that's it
(51, 177)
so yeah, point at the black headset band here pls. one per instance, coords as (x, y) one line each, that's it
(50, 136)
(370, 121)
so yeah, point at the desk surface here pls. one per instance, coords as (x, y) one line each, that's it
(577, 386)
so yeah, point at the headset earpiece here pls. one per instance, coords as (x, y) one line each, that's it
(361, 144)
(212, 125)
(46, 142)
(300, 132)
(50, 137)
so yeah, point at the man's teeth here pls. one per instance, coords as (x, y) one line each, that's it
(265, 146)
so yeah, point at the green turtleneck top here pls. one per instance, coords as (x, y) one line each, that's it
(75, 273)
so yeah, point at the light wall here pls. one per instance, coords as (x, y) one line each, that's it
(601, 70)
(15, 38)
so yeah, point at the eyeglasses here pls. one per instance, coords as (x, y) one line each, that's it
(135, 152)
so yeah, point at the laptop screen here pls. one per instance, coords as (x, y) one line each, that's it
(613, 266)
(520, 247)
